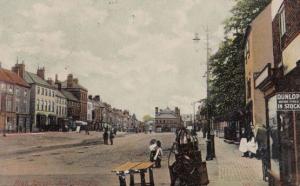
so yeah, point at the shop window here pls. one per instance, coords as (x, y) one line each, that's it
(274, 138)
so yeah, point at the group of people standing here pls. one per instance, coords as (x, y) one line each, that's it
(109, 134)
(248, 144)
(156, 152)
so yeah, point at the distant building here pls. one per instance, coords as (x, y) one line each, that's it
(90, 108)
(14, 101)
(73, 106)
(72, 85)
(167, 120)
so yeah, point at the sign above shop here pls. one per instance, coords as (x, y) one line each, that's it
(288, 101)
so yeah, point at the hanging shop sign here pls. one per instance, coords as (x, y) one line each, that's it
(288, 101)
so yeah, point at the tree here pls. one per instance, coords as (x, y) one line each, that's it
(227, 85)
(147, 118)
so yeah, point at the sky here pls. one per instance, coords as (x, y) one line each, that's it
(136, 54)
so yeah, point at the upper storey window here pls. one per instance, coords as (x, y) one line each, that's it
(282, 21)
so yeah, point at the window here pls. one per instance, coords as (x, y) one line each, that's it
(247, 51)
(249, 88)
(282, 21)
(17, 91)
(42, 105)
(49, 106)
(53, 106)
(25, 93)
(38, 90)
(46, 106)
(38, 104)
(43, 91)
(10, 89)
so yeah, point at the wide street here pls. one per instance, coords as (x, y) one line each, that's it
(77, 159)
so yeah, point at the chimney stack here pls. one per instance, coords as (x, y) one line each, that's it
(70, 81)
(156, 110)
(56, 78)
(41, 73)
(59, 86)
(50, 81)
(19, 69)
(177, 111)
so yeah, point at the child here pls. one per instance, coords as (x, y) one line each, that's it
(152, 149)
(158, 155)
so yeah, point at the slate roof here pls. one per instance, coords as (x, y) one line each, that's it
(32, 78)
(75, 86)
(60, 94)
(11, 77)
(69, 95)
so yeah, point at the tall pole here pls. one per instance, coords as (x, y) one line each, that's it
(210, 136)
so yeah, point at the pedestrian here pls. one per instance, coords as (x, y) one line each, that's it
(243, 143)
(158, 155)
(105, 136)
(152, 149)
(252, 145)
(111, 136)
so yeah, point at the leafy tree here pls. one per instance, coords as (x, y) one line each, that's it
(147, 118)
(227, 85)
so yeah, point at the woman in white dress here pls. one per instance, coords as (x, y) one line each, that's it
(243, 143)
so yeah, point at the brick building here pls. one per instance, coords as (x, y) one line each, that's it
(282, 76)
(81, 93)
(167, 120)
(14, 101)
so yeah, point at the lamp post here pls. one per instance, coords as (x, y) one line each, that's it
(210, 153)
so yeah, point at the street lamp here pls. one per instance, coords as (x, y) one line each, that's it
(210, 136)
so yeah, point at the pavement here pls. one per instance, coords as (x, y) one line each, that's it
(229, 168)
(67, 159)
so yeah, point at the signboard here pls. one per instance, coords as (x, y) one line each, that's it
(288, 101)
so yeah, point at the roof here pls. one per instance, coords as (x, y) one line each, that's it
(11, 77)
(69, 95)
(75, 86)
(60, 94)
(32, 78)
(166, 114)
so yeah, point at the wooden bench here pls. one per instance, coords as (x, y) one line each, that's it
(131, 168)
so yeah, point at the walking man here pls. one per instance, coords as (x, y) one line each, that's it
(111, 136)
(105, 136)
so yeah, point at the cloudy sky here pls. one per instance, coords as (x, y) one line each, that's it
(137, 54)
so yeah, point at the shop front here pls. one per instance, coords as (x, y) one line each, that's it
(281, 159)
